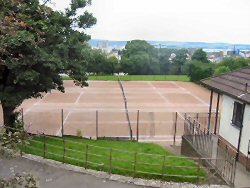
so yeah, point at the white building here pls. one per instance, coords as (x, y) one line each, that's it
(234, 87)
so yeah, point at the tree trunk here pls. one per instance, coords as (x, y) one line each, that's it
(9, 116)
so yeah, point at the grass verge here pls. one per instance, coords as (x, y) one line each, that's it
(183, 78)
(118, 157)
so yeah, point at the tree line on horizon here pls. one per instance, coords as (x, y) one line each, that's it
(140, 58)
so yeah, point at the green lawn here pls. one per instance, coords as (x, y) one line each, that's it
(123, 155)
(138, 78)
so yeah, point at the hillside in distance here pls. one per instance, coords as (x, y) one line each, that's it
(173, 44)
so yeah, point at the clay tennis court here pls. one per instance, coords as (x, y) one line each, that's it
(157, 102)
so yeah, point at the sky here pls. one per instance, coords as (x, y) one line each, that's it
(169, 20)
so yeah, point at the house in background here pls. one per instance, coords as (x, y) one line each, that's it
(234, 89)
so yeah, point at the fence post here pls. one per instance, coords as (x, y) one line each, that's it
(22, 119)
(110, 161)
(135, 164)
(86, 156)
(64, 150)
(163, 166)
(62, 122)
(44, 146)
(175, 126)
(198, 170)
(96, 124)
(137, 126)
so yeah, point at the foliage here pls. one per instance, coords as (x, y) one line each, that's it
(139, 58)
(27, 181)
(123, 156)
(200, 55)
(198, 70)
(233, 63)
(36, 44)
(221, 69)
(179, 61)
(10, 141)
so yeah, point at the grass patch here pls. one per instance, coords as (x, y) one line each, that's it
(123, 154)
(183, 78)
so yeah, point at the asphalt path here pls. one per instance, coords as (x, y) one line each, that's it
(51, 177)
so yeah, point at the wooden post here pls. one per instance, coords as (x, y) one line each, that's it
(210, 110)
(96, 115)
(135, 164)
(175, 126)
(64, 150)
(137, 126)
(163, 166)
(217, 112)
(86, 156)
(22, 119)
(198, 170)
(62, 123)
(44, 146)
(110, 161)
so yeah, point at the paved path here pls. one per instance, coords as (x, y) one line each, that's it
(51, 177)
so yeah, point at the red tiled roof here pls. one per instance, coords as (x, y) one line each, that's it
(232, 84)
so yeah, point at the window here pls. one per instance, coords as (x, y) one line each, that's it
(237, 114)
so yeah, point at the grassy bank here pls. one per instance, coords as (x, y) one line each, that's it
(125, 158)
(183, 78)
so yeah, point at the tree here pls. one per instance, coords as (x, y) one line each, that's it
(111, 65)
(36, 44)
(95, 64)
(139, 57)
(179, 60)
(200, 55)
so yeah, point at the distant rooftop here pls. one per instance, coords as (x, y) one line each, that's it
(235, 84)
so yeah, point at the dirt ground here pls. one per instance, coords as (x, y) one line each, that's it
(102, 104)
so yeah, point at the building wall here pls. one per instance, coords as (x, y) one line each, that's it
(227, 131)
(231, 133)
(245, 131)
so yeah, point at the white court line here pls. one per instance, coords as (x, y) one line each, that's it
(178, 86)
(159, 93)
(78, 98)
(41, 99)
(198, 98)
(35, 104)
(64, 121)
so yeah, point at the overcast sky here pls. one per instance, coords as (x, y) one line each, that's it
(170, 20)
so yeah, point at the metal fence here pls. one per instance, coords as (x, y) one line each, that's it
(145, 125)
(207, 145)
(107, 159)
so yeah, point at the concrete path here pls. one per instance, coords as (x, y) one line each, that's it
(242, 177)
(51, 177)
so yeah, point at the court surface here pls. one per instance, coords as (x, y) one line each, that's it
(102, 104)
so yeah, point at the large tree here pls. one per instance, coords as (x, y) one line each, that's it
(200, 55)
(139, 57)
(36, 44)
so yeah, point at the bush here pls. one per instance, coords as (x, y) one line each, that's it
(198, 70)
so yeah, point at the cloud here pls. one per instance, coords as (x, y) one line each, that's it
(174, 20)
